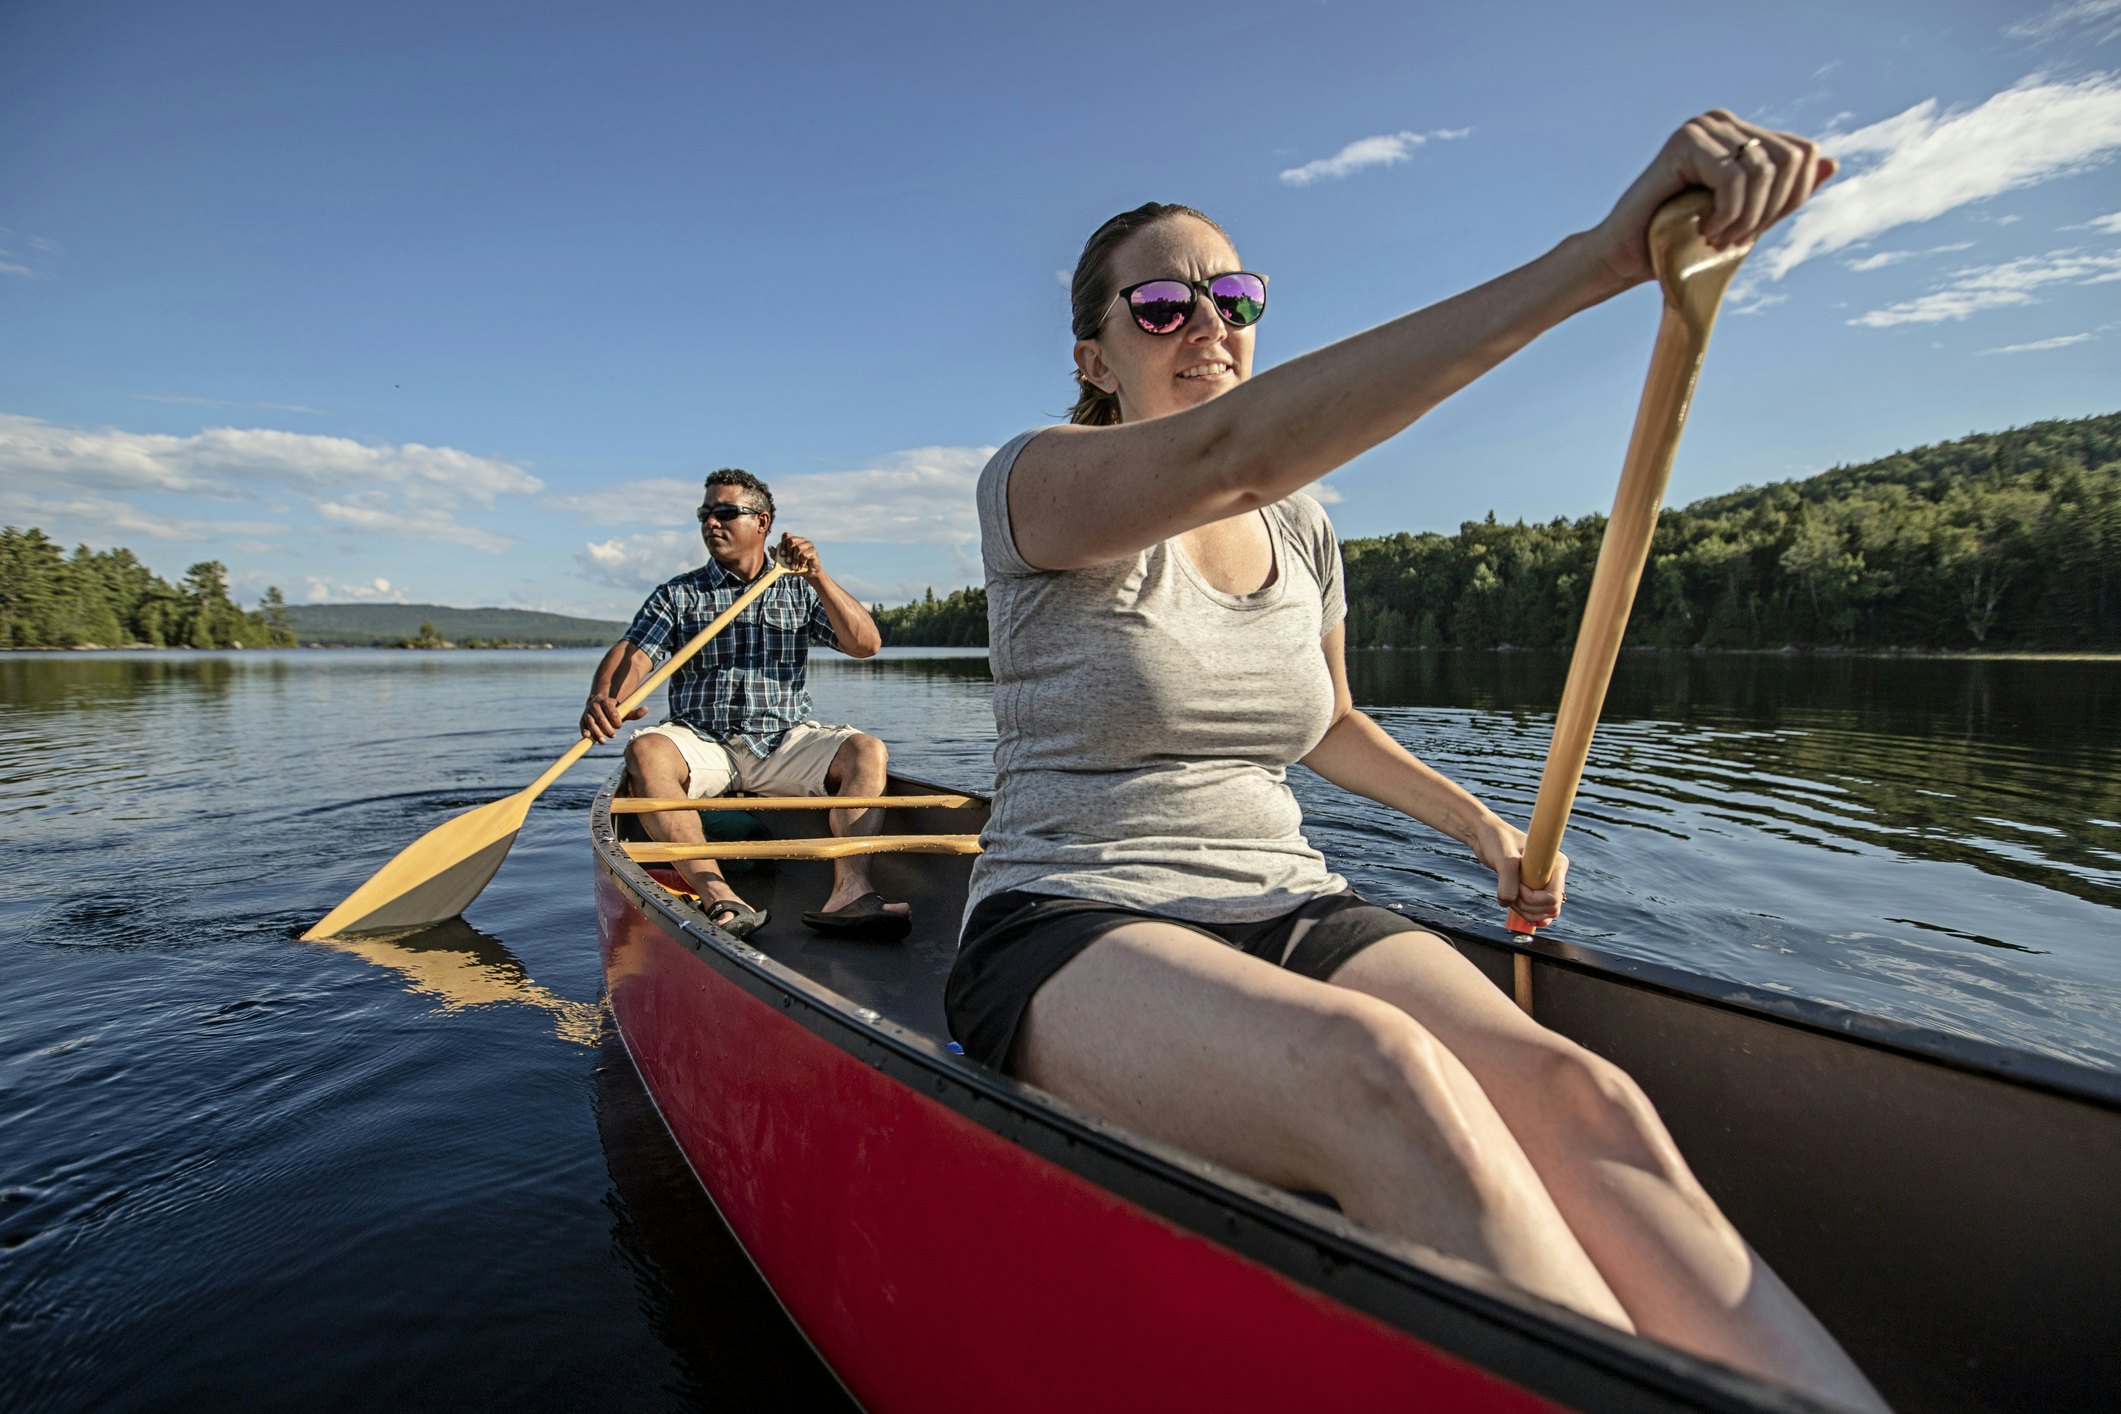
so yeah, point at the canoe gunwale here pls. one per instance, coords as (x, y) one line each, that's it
(1460, 1310)
(2054, 1075)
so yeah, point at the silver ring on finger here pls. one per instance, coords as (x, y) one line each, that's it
(1738, 153)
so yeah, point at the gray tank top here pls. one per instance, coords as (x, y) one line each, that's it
(1146, 721)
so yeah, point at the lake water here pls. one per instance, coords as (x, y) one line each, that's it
(243, 1170)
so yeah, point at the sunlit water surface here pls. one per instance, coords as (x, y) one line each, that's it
(243, 1170)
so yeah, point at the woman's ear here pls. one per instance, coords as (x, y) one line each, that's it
(1090, 362)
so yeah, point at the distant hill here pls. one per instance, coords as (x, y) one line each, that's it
(366, 625)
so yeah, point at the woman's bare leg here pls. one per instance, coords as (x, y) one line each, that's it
(1667, 1252)
(1302, 1084)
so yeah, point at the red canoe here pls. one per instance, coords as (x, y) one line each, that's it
(950, 1239)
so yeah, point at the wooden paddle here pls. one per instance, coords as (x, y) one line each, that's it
(438, 875)
(1693, 276)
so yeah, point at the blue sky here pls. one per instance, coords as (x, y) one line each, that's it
(455, 303)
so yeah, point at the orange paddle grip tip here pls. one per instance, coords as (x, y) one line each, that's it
(1519, 924)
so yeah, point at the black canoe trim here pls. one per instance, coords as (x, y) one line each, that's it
(1463, 1311)
(2053, 1074)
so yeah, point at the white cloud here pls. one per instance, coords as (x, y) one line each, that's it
(1983, 287)
(918, 497)
(376, 513)
(641, 562)
(2101, 18)
(2109, 224)
(1918, 165)
(187, 400)
(11, 264)
(1324, 493)
(1894, 257)
(322, 591)
(657, 500)
(72, 517)
(1380, 151)
(408, 491)
(1879, 261)
(2040, 345)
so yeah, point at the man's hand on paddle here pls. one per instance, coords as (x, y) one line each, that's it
(1500, 846)
(799, 555)
(1758, 175)
(601, 719)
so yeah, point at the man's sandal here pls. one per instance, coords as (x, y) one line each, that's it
(734, 918)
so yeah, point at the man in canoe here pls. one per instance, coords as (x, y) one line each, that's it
(1149, 934)
(740, 710)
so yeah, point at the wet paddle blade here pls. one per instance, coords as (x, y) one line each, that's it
(435, 877)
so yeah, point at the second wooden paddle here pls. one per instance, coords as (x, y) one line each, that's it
(438, 875)
(1693, 276)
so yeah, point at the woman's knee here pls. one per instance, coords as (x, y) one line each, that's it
(1393, 1083)
(1599, 1104)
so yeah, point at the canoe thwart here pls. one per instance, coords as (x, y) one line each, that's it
(644, 805)
(830, 847)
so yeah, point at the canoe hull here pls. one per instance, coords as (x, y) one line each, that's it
(942, 1233)
(897, 1232)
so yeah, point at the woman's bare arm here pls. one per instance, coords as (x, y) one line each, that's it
(1285, 428)
(1357, 755)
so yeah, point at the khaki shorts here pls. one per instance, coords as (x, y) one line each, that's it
(797, 766)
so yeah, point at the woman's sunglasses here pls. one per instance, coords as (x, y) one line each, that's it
(1163, 306)
(726, 511)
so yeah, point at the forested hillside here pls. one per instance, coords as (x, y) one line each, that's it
(2007, 540)
(49, 599)
(957, 620)
(342, 625)
(2002, 540)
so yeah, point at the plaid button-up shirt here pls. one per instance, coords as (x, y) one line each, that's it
(750, 684)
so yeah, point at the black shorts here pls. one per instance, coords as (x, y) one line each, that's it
(1014, 941)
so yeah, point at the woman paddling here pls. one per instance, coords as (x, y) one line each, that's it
(1149, 934)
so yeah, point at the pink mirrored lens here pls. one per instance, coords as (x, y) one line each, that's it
(1240, 298)
(1161, 305)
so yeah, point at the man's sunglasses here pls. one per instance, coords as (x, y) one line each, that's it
(1163, 306)
(727, 511)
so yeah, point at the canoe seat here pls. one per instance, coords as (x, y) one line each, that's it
(830, 847)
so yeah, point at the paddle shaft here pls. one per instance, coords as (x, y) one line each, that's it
(1693, 280)
(436, 877)
(656, 679)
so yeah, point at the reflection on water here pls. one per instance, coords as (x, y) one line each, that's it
(420, 1164)
(2005, 766)
(462, 967)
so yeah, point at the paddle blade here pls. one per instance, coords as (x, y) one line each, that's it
(435, 877)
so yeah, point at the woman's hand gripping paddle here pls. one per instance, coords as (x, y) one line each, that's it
(1693, 276)
(438, 875)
